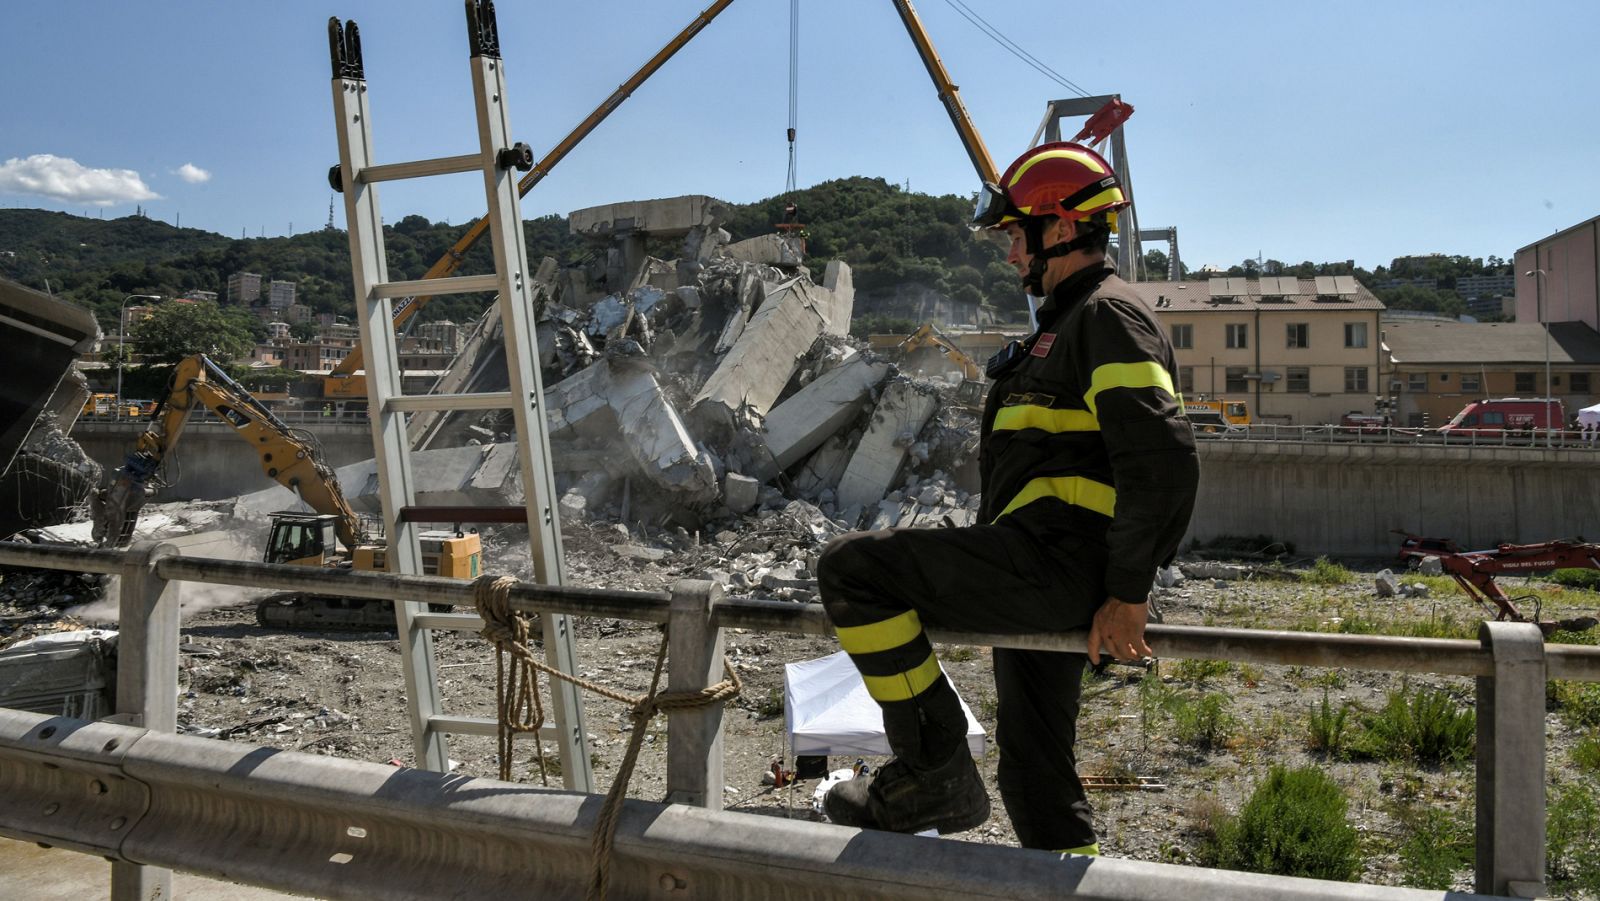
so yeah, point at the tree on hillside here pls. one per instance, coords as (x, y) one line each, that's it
(177, 330)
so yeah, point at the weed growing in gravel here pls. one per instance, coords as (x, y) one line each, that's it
(1204, 721)
(1586, 753)
(1200, 670)
(1293, 825)
(1587, 636)
(771, 704)
(958, 653)
(1422, 725)
(1438, 843)
(1327, 572)
(1588, 579)
(1326, 727)
(1577, 703)
(1572, 835)
(1436, 625)
(1250, 675)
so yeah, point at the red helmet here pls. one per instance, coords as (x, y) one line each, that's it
(1060, 179)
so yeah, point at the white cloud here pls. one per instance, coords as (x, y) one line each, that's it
(62, 178)
(192, 174)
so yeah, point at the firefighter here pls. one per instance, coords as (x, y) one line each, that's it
(1088, 476)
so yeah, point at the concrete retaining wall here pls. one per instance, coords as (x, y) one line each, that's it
(212, 462)
(1344, 499)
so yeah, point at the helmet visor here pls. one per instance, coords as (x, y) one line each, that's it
(993, 206)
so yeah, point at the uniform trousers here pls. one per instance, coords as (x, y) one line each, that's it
(986, 578)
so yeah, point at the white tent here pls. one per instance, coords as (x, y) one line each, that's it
(1589, 416)
(826, 710)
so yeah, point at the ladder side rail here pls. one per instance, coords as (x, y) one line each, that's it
(527, 391)
(390, 447)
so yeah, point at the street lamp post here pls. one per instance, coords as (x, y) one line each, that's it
(122, 339)
(1539, 284)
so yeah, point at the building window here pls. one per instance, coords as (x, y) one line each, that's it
(1183, 336)
(1298, 380)
(1355, 380)
(1470, 383)
(1417, 381)
(1355, 334)
(1525, 383)
(1238, 335)
(1299, 334)
(1186, 380)
(1236, 380)
(1580, 383)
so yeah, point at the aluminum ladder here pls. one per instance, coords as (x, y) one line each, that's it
(376, 298)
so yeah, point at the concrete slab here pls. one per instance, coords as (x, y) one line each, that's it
(901, 413)
(840, 287)
(824, 468)
(803, 422)
(760, 363)
(484, 474)
(54, 874)
(668, 217)
(767, 250)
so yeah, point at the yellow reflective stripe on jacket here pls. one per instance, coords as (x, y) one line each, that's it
(880, 636)
(1076, 490)
(1031, 416)
(1128, 375)
(904, 686)
(1087, 850)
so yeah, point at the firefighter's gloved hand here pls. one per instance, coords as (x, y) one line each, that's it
(1118, 628)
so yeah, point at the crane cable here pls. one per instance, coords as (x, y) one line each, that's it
(1012, 47)
(794, 90)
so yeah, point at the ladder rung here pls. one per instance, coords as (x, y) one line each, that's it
(485, 513)
(444, 165)
(418, 403)
(479, 725)
(449, 622)
(437, 287)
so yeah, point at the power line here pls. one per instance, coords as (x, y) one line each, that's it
(1013, 48)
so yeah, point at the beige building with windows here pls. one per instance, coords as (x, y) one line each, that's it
(1300, 351)
(1432, 369)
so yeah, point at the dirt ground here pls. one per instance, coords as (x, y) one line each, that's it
(342, 694)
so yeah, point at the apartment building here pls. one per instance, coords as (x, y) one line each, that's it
(1299, 350)
(1432, 369)
(244, 288)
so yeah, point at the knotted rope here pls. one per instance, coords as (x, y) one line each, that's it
(521, 710)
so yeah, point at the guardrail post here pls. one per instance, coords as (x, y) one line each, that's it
(694, 736)
(147, 684)
(1511, 802)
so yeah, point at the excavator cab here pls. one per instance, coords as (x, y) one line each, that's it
(302, 539)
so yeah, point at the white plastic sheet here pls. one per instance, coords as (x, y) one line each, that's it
(827, 711)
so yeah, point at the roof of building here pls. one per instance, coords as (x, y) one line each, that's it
(1548, 238)
(1231, 295)
(1473, 343)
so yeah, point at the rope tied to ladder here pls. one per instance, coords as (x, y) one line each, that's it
(520, 709)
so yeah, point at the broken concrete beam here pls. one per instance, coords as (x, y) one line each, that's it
(901, 413)
(824, 468)
(479, 475)
(669, 217)
(759, 364)
(804, 421)
(840, 287)
(765, 250)
(740, 492)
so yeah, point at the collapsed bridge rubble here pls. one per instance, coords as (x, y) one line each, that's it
(690, 392)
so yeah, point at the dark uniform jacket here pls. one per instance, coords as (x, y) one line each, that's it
(1084, 443)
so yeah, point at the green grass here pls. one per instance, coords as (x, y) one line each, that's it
(1327, 727)
(1425, 726)
(1294, 824)
(1200, 670)
(1437, 844)
(1577, 703)
(1586, 753)
(1450, 623)
(1326, 572)
(1203, 721)
(1587, 579)
(1572, 837)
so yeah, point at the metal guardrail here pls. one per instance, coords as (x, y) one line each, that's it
(1510, 661)
(1337, 434)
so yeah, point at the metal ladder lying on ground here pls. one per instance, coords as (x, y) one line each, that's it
(358, 177)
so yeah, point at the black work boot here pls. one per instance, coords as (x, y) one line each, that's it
(949, 797)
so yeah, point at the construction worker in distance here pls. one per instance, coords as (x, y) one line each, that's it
(1088, 474)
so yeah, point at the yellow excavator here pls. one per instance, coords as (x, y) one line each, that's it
(971, 391)
(293, 460)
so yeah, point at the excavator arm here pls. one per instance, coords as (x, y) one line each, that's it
(928, 335)
(285, 457)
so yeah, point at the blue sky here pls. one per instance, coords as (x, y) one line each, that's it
(1326, 131)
